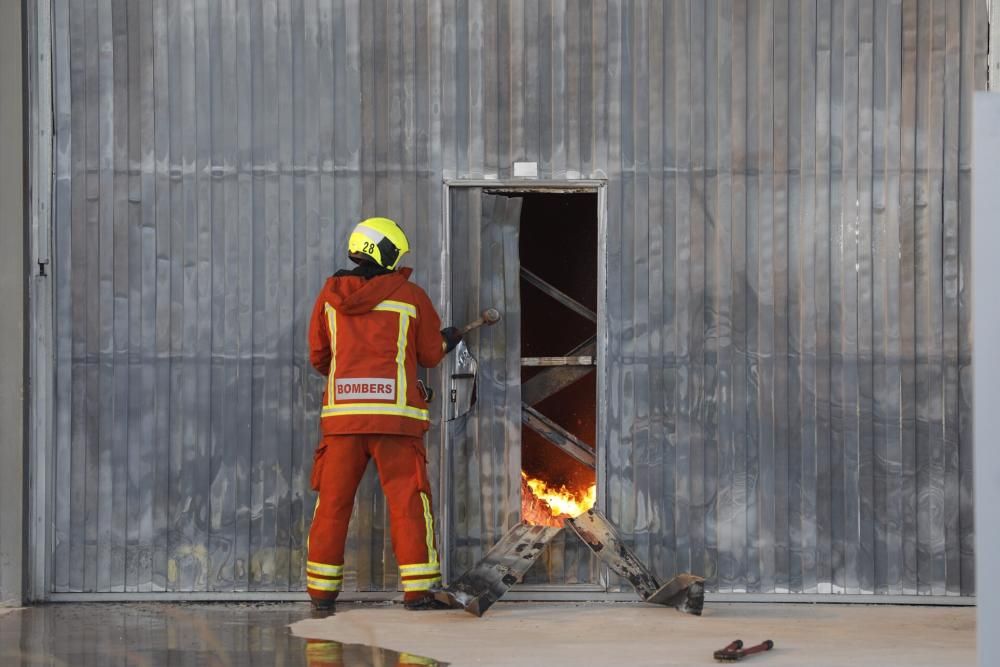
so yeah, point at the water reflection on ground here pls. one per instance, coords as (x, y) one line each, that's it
(148, 635)
(320, 653)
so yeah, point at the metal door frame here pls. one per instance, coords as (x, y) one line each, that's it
(532, 186)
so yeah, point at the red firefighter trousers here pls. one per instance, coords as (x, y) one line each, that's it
(338, 467)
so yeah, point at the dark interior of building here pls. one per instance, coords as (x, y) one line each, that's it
(558, 243)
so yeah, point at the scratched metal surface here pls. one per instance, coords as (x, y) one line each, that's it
(788, 405)
(485, 445)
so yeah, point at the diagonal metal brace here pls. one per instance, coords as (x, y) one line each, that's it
(558, 295)
(507, 562)
(685, 591)
(502, 566)
(600, 535)
(557, 435)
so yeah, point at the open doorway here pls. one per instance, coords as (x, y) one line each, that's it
(558, 289)
(528, 448)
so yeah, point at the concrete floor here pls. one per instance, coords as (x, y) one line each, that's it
(549, 634)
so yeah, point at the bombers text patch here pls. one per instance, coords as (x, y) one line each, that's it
(381, 389)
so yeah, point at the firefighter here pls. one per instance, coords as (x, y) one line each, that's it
(370, 329)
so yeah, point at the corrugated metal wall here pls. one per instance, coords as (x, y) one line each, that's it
(788, 206)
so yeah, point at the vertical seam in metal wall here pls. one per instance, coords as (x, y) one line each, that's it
(940, 259)
(253, 288)
(27, 270)
(992, 43)
(38, 417)
(962, 67)
(14, 568)
(791, 402)
(601, 357)
(748, 418)
(444, 492)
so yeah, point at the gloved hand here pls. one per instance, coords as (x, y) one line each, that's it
(452, 337)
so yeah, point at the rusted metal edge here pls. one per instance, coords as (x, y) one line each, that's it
(685, 592)
(600, 536)
(503, 566)
(557, 435)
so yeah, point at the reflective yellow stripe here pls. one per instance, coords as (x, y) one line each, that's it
(331, 323)
(420, 584)
(422, 568)
(375, 409)
(331, 651)
(323, 584)
(406, 311)
(432, 555)
(410, 659)
(315, 509)
(404, 327)
(401, 307)
(325, 570)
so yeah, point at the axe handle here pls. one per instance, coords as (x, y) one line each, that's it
(489, 316)
(765, 645)
(474, 324)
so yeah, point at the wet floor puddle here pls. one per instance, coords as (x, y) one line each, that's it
(153, 634)
(325, 653)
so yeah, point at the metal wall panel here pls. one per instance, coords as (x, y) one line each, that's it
(485, 455)
(13, 278)
(788, 397)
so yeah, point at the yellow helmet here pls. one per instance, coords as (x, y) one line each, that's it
(380, 240)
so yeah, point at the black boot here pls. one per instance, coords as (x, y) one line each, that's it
(323, 608)
(425, 603)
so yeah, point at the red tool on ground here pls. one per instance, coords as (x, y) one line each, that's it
(734, 646)
(735, 651)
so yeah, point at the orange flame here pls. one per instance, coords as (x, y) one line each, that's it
(560, 501)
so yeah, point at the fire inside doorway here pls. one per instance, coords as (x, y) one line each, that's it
(558, 253)
(558, 250)
(526, 450)
(533, 255)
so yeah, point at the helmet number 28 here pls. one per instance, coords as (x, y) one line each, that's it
(367, 246)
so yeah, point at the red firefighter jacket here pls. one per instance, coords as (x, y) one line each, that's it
(367, 337)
